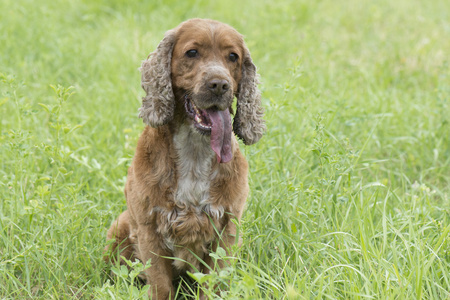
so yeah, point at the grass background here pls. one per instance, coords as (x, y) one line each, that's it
(349, 187)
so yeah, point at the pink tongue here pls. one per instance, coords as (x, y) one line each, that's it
(221, 134)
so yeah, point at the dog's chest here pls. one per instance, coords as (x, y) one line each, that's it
(194, 168)
(189, 225)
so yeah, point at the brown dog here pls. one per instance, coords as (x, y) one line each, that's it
(188, 179)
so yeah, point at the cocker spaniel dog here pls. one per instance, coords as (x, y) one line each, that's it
(188, 179)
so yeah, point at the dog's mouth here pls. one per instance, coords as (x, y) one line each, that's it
(217, 124)
(201, 118)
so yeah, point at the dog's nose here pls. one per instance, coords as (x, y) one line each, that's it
(218, 86)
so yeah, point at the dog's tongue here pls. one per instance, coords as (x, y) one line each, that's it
(221, 134)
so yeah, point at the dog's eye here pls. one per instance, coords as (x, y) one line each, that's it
(233, 57)
(192, 53)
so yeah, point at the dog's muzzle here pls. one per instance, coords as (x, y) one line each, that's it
(217, 124)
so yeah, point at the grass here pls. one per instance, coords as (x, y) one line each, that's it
(349, 187)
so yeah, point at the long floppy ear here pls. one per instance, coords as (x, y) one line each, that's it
(248, 124)
(159, 102)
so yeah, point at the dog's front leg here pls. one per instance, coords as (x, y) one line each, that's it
(225, 241)
(159, 276)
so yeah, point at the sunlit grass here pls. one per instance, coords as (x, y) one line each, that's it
(349, 187)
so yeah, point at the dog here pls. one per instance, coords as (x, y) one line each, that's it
(188, 178)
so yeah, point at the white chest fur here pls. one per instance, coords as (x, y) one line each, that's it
(195, 158)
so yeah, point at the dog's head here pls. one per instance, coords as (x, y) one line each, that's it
(201, 66)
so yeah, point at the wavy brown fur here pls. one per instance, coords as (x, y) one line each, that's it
(159, 103)
(181, 201)
(248, 122)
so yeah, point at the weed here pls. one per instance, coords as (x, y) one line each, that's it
(349, 188)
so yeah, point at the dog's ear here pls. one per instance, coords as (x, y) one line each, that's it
(248, 123)
(159, 102)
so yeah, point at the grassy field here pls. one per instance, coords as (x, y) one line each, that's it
(349, 187)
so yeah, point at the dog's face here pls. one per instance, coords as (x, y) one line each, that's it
(207, 63)
(197, 69)
(206, 70)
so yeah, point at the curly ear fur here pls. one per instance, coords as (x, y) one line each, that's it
(159, 103)
(248, 124)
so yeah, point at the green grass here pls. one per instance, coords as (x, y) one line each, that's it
(349, 187)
